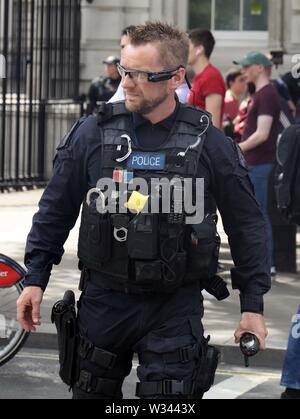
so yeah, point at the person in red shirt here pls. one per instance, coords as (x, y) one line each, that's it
(237, 87)
(208, 89)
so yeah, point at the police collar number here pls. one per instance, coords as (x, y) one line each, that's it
(147, 161)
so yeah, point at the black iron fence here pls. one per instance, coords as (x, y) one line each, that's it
(40, 45)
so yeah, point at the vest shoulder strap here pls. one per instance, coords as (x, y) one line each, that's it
(193, 116)
(107, 111)
(65, 142)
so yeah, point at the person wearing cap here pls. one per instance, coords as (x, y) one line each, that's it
(103, 88)
(261, 131)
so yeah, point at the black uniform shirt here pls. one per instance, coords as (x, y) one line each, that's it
(148, 135)
(77, 170)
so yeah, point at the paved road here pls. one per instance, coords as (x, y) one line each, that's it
(33, 374)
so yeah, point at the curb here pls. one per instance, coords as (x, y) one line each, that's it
(271, 358)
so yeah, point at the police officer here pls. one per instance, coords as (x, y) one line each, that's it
(141, 273)
(103, 88)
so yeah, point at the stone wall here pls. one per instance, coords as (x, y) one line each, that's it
(103, 20)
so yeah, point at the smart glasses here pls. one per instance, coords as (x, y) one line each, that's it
(143, 76)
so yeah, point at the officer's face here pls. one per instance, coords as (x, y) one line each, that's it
(143, 96)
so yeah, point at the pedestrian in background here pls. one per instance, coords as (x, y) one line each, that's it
(236, 90)
(291, 369)
(293, 85)
(103, 88)
(240, 120)
(208, 88)
(125, 38)
(261, 132)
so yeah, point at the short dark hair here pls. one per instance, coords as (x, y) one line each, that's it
(172, 43)
(205, 38)
(231, 76)
(127, 31)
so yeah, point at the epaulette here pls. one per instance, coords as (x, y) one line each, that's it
(67, 138)
(106, 111)
(194, 116)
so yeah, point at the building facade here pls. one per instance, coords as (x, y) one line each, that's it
(238, 25)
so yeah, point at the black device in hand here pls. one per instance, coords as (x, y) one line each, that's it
(249, 345)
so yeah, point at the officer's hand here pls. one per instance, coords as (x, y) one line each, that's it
(255, 324)
(28, 308)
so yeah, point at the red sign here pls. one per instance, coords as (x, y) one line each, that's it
(8, 276)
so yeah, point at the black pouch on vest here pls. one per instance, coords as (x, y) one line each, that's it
(64, 316)
(147, 271)
(143, 237)
(100, 236)
(206, 369)
(203, 249)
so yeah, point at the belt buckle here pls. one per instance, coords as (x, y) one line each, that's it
(172, 387)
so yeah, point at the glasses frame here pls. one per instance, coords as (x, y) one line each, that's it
(152, 77)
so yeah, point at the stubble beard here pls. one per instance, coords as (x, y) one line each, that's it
(145, 107)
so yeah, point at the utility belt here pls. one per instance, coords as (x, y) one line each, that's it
(215, 286)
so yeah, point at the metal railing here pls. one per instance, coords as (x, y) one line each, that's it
(40, 43)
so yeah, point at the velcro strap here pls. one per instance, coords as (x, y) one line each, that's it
(91, 384)
(100, 357)
(164, 388)
(182, 355)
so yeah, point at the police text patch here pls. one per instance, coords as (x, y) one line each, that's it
(146, 161)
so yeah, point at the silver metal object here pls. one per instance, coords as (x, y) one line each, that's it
(129, 142)
(121, 234)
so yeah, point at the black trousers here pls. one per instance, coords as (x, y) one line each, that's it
(154, 324)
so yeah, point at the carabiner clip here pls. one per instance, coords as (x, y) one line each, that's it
(129, 152)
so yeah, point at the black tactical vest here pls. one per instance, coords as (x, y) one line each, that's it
(159, 252)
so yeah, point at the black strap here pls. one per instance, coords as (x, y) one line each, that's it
(164, 388)
(193, 116)
(182, 355)
(68, 137)
(106, 111)
(126, 287)
(100, 357)
(91, 384)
